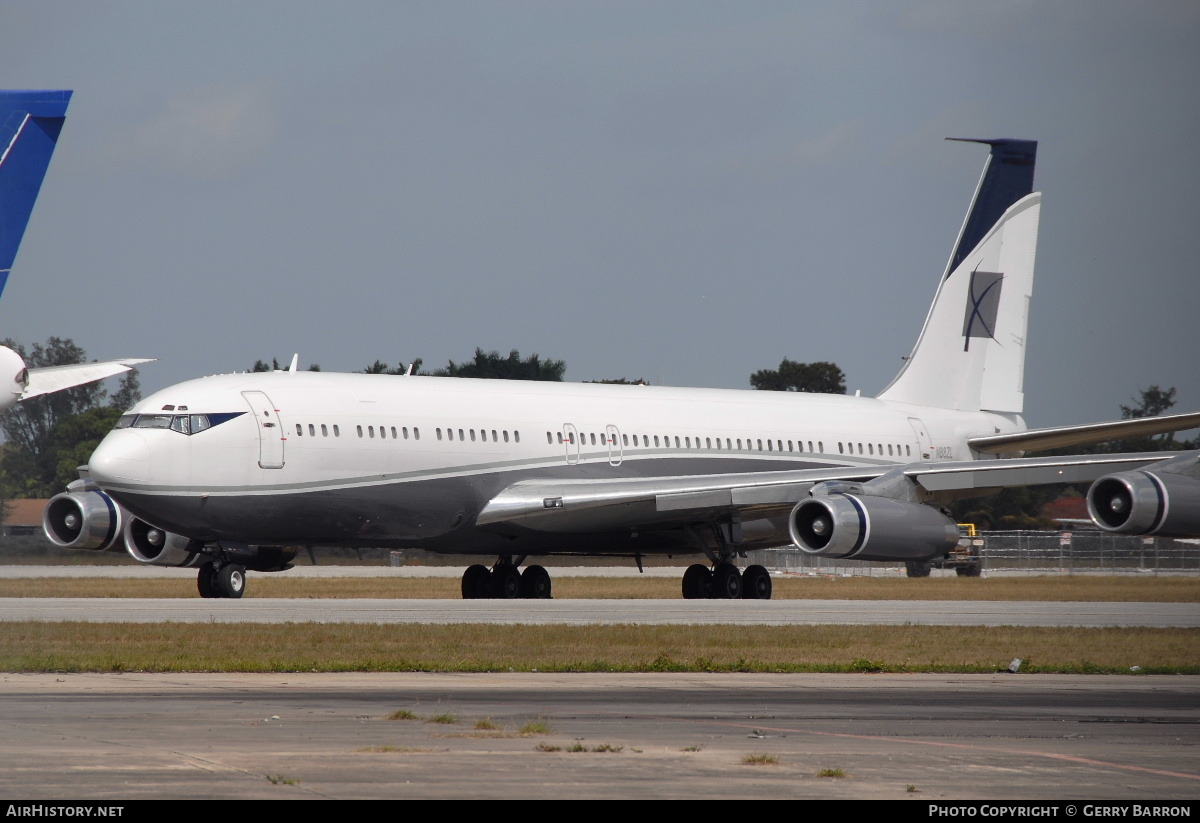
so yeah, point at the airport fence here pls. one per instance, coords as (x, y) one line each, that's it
(1075, 552)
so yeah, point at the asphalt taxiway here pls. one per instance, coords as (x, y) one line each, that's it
(922, 738)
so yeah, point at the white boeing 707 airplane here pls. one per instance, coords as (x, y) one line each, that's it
(239, 471)
(30, 122)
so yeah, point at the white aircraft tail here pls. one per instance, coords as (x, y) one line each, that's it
(970, 355)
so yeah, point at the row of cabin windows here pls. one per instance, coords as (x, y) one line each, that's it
(643, 440)
(402, 433)
(497, 436)
(877, 448)
(312, 430)
(730, 443)
(687, 442)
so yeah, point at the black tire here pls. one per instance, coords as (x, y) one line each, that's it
(969, 569)
(916, 568)
(535, 583)
(697, 582)
(476, 582)
(506, 582)
(756, 583)
(231, 581)
(205, 582)
(727, 582)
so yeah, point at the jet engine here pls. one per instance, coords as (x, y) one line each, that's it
(84, 518)
(865, 527)
(156, 547)
(1143, 502)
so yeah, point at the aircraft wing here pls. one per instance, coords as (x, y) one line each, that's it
(49, 379)
(666, 502)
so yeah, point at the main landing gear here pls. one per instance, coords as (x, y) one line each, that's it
(505, 581)
(725, 582)
(221, 580)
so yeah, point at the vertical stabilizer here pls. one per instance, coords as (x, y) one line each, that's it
(30, 122)
(1007, 177)
(970, 355)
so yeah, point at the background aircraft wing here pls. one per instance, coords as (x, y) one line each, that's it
(49, 379)
(556, 505)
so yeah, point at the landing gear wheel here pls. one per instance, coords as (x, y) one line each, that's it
(756, 583)
(206, 581)
(916, 568)
(727, 582)
(476, 582)
(697, 582)
(231, 581)
(535, 583)
(506, 582)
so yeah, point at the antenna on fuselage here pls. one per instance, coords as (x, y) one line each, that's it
(295, 360)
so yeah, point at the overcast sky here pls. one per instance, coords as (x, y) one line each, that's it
(684, 192)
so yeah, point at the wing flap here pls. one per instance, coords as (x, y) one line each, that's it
(1033, 471)
(579, 506)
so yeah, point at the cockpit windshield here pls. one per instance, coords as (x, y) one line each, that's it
(182, 423)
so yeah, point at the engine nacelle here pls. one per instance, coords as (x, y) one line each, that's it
(865, 527)
(1142, 502)
(84, 520)
(156, 547)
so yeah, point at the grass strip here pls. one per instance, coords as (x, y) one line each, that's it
(1052, 588)
(317, 647)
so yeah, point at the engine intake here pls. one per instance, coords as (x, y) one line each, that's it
(865, 527)
(1142, 502)
(156, 547)
(83, 520)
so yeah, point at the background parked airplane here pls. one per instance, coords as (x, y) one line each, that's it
(235, 472)
(30, 122)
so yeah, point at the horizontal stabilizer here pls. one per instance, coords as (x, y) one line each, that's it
(56, 378)
(1064, 436)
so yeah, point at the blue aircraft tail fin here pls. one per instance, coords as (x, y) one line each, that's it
(30, 122)
(1007, 177)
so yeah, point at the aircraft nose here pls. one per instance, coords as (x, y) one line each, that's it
(122, 456)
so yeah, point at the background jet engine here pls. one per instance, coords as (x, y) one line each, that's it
(1142, 502)
(84, 519)
(871, 528)
(156, 547)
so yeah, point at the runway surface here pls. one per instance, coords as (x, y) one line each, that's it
(593, 612)
(922, 738)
